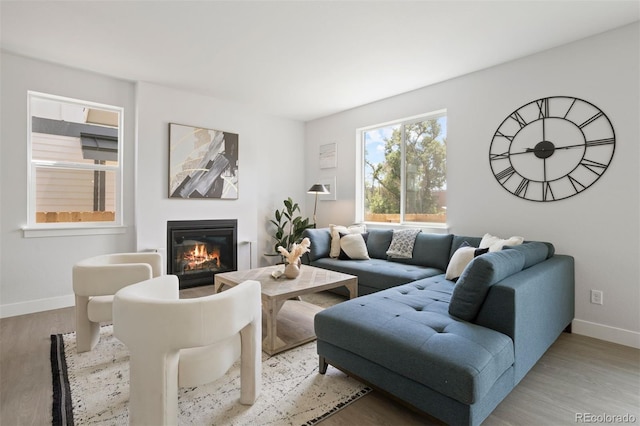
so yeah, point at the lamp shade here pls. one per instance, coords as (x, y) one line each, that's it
(318, 188)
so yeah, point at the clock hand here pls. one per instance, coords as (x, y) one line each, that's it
(531, 151)
(571, 146)
(535, 150)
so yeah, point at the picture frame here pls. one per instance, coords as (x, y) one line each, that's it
(328, 156)
(203, 163)
(330, 183)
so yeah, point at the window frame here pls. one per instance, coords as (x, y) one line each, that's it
(35, 229)
(361, 167)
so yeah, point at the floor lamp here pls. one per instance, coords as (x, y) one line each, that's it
(318, 188)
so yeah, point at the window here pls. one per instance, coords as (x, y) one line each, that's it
(75, 161)
(404, 171)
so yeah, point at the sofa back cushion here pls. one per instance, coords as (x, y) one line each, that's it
(431, 250)
(378, 242)
(534, 252)
(459, 240)
(483, 272)
(320, 243)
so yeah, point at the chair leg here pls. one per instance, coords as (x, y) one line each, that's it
(153, 387)
(251, 362)
(87, 332)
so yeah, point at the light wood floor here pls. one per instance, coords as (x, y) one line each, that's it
(577, 375)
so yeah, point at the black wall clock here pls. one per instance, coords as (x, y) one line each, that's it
(552, 148)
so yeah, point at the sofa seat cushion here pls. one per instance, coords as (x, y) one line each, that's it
(408, 330)
(377, 274)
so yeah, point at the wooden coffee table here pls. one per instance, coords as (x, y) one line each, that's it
(275, 292)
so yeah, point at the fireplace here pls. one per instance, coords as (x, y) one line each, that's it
(199, 249)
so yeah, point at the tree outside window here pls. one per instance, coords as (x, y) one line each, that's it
(405, 171)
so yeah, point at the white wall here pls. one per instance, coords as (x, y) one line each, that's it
(35, 273)
(271, 151)
(599, 227)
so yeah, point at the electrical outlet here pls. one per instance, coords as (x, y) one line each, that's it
(596, 297)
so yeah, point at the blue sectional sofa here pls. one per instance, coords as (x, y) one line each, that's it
(451, 349)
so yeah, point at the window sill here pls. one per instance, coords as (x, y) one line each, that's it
(435, 228)
(39, 232)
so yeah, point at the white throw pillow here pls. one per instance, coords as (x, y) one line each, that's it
(354, 247)
(461, 258)
(494, 243)
(335, 236)
(459, 261)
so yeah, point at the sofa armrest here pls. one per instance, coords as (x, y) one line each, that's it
(532, 307)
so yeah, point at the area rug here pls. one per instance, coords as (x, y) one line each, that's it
(93, 388)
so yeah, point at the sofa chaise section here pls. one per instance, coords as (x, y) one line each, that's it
(454, 349)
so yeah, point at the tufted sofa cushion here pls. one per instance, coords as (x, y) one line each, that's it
(408, 330)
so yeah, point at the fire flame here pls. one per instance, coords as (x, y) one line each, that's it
(199, 255)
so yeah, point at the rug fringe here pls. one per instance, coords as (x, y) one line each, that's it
(338, 407)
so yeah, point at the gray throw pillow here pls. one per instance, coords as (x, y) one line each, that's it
(479, 275)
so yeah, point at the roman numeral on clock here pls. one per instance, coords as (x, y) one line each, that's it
(522, 188)
(505, 175)
(519, 119)
(547, 191)
(593, 166)
(597, 142)
(592, 119)
(502, 135)
(501, 156)
(543, 107)
(577, 185)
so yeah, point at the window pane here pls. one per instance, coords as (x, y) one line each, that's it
(75, 173)
(382, 160)
(69, 150)
(69, 132)
(71, 195)
(404, 171)
(425, 171)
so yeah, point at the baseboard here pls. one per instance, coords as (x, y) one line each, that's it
(608, 333)
(23, 308)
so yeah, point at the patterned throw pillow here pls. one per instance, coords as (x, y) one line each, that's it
(402, 243)
(335, 236)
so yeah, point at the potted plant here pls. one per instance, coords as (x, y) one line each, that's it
(289, 227)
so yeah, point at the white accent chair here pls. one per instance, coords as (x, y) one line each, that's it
(97, 279)
(186, 342)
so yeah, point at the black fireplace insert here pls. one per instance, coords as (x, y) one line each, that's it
(199, 249)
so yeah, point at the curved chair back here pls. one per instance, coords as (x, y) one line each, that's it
(186, 342)
(97, 279)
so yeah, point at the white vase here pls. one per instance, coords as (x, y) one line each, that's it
(292, 270)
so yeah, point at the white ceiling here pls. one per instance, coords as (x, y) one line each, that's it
(298, 59)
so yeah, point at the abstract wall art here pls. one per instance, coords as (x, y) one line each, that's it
(203, 163)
